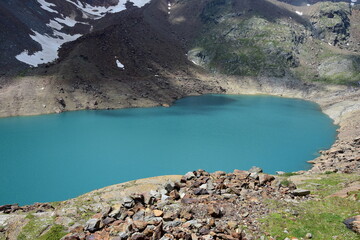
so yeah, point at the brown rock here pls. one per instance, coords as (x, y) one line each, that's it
(138, 236)
(265, 178)
(186, 214)
(158, 213)
(214, 211)
(158, 232)
(241, 174)
(200, 191)
(232, 224)
(170, 215)
(174, 194)
(140, 225)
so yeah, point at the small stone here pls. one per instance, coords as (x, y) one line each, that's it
(138, 236)
(164, 197)
(140, 225)
(241, 174)
(214, 211)
(265, 178)
(158, 231)
(300, 192)
(123, 236)
(204, 230)
(158, 213)
(353, 223)
(108, 220)
(92, 225)
(254, 175)
(308, 236)
(172, 223)
(139, 215)
(200, 191)
(169, 186)
(232, 224)
(186, 214)
(174, 195)
(170, 215)
(128, 202)
(255, 169)
(189, 175)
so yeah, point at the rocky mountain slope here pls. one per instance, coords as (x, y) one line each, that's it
(127, 56)
(33, 31)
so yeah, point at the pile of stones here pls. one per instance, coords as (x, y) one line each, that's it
(344, 157)
(200, 206)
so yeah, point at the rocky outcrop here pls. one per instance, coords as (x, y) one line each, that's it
(342, 157)
(332, 23)
(199, 206)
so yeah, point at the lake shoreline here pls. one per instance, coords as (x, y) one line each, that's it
(341, 103)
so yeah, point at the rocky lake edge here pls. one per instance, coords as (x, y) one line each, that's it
(341, 103)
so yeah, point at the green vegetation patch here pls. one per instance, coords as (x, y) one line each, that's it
(329, 183)
(245, 45)
(41, 228)
(56, 232)
(322, 217)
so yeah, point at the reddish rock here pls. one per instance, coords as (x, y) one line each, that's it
(140, 225)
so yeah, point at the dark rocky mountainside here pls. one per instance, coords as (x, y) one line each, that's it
(307, 40)
(113, 54)
(40, 25)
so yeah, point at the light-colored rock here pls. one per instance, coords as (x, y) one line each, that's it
(92, 225)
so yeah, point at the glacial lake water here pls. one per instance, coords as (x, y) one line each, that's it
(60, 156)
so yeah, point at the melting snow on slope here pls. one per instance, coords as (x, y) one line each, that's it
(299, 13)
(99, 11)
(55, 25)
(119, 64)
(49, 45)
(67, 21)
(46, 6)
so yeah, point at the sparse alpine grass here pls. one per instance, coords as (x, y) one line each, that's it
(322, 216)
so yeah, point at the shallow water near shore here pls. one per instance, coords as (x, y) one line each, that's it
(60, 156)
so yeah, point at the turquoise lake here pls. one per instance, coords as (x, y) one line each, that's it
(60, 156)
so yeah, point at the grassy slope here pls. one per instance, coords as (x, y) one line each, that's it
(322, 216)
(247, 42)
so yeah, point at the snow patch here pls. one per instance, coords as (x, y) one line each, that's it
(55, 25)
(194, 62)
(119, 64)
(169, 7)
(97, 12)
(46, 6)
(50, 46)
(66, 21)
(299, 13)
